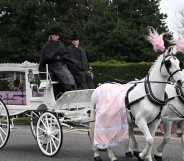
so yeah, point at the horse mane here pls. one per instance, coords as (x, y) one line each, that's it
(156, 63)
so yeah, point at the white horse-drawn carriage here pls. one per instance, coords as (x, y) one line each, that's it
(142, 101)
(22, 92)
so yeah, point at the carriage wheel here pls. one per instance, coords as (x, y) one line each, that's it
(49, 134)
(34, 118)
(4, 124)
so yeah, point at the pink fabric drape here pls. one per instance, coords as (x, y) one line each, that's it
(111, 125)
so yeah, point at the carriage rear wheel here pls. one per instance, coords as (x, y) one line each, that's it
(4, 124)
(49, 134)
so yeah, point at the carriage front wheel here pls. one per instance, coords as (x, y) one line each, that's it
(49, 134)
(4, 124)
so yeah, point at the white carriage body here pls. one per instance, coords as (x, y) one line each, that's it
(21, 99)
(74, 104)
(21, 91)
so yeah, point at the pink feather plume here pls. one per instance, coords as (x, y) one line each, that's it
(156, 40)
(180, 45)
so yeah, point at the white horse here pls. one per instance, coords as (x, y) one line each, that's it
(146, 108)
(174, 112)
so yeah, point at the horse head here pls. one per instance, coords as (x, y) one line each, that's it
(170, 66)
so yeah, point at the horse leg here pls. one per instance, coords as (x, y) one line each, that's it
(142, 124)
(153, 128)
(133, 140)
(91, 136)
(167, 137)
(111, 155)
(182, 138)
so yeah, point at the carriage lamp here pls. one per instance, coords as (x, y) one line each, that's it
(30, 75)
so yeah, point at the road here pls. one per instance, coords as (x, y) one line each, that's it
(76, 147)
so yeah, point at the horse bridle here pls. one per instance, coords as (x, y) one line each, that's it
(167, 64)
(147, 82)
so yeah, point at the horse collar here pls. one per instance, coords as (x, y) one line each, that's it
(150, 94)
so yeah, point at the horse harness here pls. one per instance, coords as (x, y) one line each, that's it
(180, 93)
(149, 92)
(151, 98)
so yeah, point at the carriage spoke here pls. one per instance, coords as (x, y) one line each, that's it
(47, 146)
(51, 150)
(56, 131)
(2, 130)
(47, 121)
(53, 122)
(41, 135)
(55, 138)
(50, 121)
(1, 138)
(43, 124)
(54, 143)
(42, 129)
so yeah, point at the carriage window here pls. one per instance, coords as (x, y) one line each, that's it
(12, 88)
(36, 91)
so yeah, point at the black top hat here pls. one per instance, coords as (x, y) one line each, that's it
(54, 30)
(75, 36)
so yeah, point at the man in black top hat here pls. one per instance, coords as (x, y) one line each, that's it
(54, 54)
(78, 64)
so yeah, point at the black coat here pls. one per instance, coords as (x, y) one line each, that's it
(78, 64)
(77, 59)
(54, 54)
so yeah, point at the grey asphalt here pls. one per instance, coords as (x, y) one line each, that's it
(76, 147)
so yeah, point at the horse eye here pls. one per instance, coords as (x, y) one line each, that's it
(167, 64)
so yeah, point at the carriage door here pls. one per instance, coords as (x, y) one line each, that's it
(12, 87)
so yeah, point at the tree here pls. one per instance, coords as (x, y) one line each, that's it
(107, 28)
(133, 17)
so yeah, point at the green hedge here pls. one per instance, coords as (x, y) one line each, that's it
(111, 70)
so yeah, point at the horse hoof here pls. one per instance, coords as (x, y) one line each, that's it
(98, 158)
(128, 154)
(158, 158)
(136, 154)
(102, 150)
(140, 159)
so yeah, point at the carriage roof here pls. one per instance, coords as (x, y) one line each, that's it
(19, 66)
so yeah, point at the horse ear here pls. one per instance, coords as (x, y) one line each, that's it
(170, 51)
(167, 64)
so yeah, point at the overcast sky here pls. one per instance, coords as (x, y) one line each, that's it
(172, 9)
